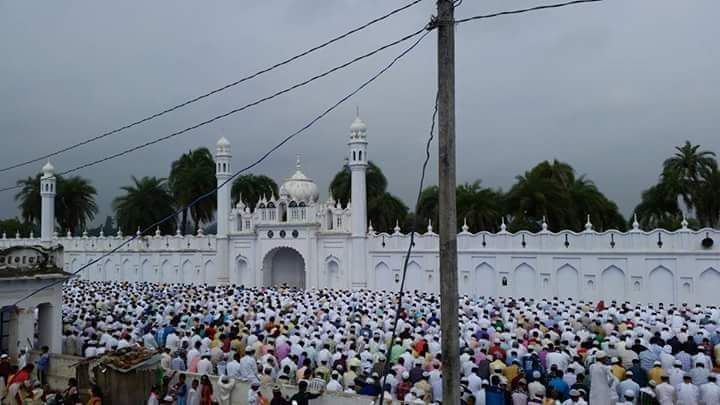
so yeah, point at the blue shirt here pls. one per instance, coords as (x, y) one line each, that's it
(43, 362)
(494, 396)
(560, 386)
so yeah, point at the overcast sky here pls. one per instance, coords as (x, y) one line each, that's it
(608, 87)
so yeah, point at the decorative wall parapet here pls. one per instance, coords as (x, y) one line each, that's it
(658, 240)
(106, 243)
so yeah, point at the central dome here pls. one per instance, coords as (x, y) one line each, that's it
(299, 187)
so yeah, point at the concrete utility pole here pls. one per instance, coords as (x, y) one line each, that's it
(447, 208)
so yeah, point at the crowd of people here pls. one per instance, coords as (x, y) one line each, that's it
(513, 350)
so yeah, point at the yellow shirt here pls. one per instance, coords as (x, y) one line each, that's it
(617, 371)
(511, 372)
(497, 364)
(655, 374)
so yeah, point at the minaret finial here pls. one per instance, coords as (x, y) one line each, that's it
(357, 111)
(297, 161)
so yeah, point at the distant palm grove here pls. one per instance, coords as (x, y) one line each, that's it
(552, 191)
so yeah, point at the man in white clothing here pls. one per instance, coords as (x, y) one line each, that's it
(601, 381)
(248, 367)
(575, 399)
(687, 393)
(334, 384)
(710, 392)
(676, 375)
(665, 392)
(205, 366)
(233, 367)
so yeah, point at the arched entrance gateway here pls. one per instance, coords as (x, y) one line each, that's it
(284, 265)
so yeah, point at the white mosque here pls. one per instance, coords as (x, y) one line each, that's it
(296, 239)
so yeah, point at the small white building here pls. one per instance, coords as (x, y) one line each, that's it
(297, 239)
(31, 298)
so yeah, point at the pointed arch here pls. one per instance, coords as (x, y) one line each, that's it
(485, 282)
(612, 284)
(661, 285)
(146, 272)
(241, 275)
(166, 273)
(284, 265)
(525, 284)
(415, 279)
(568, 279)
(384, 278)
(209, 273)
(186, 272)
(332, 272)
(126, 270)
(106, 271)
(708, 286)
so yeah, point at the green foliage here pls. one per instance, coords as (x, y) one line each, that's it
(145, 202)
(551, 190)
(75, 204)
(481, 207)
(252, 187)
(12, 226)
(691, 175)
(375, 184)
(384, 209)
(193, 175)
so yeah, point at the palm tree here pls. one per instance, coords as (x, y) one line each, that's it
(252, 188)
(145, 202)
(588, 200)
(687, 167)
(428, 206)
(707, 204)
(375, 183)
(13, 226)
(551, 190)
(536, 195)
(28, 198)
(481, 207)
(192, 175)
(384, 210)
(658, 208)
(75, 204)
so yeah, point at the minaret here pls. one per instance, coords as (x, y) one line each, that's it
(358, 163)
(223, 172)
(47, 208)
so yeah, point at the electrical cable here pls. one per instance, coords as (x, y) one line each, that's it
(234, 111)
(386, 367)
(212, 92)
(525, 10)
(237, 173)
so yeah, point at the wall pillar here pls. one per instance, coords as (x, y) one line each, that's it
(22, 330)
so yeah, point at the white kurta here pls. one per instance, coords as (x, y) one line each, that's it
(600, 382)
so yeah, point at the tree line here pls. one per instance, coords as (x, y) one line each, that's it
(550, 192)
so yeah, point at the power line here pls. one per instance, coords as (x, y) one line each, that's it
(211, 92)
(252, 165)
(386, 367)
(234, 111)
(525, 10)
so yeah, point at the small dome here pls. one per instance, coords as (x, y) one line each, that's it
(223, 142)
(358, 125)
(299, 187)
(48, 169)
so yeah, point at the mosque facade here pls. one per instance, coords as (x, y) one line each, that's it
(296, 239)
